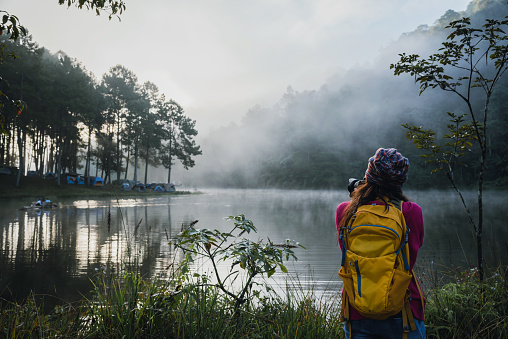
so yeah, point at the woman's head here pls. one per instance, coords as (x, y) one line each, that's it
(388, 169)
(386, 174)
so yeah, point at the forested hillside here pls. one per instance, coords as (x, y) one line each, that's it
(108, 127)
(320, 138)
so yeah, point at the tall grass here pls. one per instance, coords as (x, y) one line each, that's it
(132, 307)
(204, 312)
(467, 308)
(135, 308)
(27, 320)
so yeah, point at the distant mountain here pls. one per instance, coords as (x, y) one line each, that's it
(320, 138)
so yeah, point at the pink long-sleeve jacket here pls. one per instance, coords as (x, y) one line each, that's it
(414, 221)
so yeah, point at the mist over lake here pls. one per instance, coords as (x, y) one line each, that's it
(58, 251)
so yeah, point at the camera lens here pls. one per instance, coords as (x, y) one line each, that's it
(353, 183)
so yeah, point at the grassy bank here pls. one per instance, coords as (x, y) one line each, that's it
(136, 308)
(31, 188)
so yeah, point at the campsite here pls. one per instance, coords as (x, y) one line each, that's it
(74, 185)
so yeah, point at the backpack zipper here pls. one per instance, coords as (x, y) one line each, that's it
(359, 278)
(388, 228)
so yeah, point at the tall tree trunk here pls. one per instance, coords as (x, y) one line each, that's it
(74, 147)
(25, 152)
(2, 147)
(169, 159)
(88, 154)
(483, 147)
(10, 144)
(59, 165)
(40, 154)
(118, 164)
(127, 161)
(35, 150)
(20, 152)
(480, 218)
(136, 161)
(110, 145)
(146, 163)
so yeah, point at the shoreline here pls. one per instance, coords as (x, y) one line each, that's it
(31, 188)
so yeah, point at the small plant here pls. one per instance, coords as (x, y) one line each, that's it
(253, 257)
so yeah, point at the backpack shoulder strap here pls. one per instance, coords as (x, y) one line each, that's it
(397, 203)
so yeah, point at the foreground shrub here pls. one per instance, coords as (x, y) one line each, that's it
(252, 258)
(469, 309)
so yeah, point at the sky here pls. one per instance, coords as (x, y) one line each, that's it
(219, 58)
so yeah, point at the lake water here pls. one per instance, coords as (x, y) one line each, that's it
(57, 252)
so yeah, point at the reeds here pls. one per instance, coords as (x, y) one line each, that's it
(27, 320)
(133, 307)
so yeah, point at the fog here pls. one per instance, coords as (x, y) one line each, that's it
(274, 87)
(218, 59)
(347, 118)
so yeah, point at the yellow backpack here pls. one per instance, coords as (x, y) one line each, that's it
(375, 264)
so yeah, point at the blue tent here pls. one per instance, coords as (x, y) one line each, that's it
(5, 170)
(96, 181)
(139, 188)
(32, 174)
(50, 176)
(70, 178)
(169, 187)
(158, 189)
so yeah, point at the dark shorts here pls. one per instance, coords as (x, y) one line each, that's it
(382, 329)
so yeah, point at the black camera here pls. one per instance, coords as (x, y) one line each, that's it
(353, 183)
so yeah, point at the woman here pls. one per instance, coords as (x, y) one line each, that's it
(386, 174)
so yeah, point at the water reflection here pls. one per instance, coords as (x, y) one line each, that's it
(57, 252)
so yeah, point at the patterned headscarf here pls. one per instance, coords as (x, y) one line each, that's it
(387, 168)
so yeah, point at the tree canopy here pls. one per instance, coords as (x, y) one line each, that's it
(74, 120)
